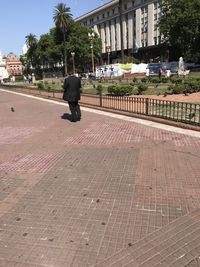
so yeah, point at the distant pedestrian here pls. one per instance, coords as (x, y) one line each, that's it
(13, 79)
(168, 73)
(72, 86)
(24, 78)
(147, 73)
(29, 78)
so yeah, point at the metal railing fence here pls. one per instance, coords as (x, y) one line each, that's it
(170, 110)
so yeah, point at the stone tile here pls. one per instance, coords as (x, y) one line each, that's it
(101, 192)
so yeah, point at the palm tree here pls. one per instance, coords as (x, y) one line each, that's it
(62, 17)
(31, 42)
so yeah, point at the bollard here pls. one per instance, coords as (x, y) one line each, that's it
(146, 106)
(100, 99)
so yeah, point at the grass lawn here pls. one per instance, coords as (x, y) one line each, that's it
(194, 75)
(154, 90)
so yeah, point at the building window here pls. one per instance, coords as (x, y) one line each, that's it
(103, 16)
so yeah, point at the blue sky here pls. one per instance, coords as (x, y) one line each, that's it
(22, 17)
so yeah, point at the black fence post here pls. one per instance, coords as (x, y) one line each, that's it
(100, 99)
(146, 106)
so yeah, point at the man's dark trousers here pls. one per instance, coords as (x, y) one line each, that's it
(75, 110)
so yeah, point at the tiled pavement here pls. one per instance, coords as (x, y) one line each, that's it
(100, 192)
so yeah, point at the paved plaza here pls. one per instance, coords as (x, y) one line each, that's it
(106, 191)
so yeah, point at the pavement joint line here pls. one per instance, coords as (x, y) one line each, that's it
(117, 116)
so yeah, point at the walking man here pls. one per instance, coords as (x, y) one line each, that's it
(72, 85)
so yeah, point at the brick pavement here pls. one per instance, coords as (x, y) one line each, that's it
(100, 192)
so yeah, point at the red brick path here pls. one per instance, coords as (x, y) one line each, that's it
(100, 192)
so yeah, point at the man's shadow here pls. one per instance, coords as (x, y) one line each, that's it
(66, 116)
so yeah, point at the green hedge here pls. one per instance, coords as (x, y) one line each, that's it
(127, 89)
(41, 85)
(142, 87)
(120, 90)
(186, 86)
(99, 89)
(18, 78)
(154, 80)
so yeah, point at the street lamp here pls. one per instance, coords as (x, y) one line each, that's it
(108, 51)
(73, 54)
(91, 39)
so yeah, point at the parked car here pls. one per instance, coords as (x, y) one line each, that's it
(154, 68)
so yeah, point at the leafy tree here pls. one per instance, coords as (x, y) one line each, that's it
(49, 49)
(31, 42)
(79, 43)
(62, 18)
(48, 53)
(180, 27)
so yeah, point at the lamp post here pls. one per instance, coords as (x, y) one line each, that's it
(73, 54)
(91, 39)
(108, 51)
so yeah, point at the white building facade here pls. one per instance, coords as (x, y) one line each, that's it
(139, 20)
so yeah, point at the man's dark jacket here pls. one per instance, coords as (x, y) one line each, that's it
(72, 87)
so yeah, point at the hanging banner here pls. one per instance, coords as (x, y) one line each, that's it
(115, 70)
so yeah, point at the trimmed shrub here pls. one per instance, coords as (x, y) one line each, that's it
(154, 80)
(176, 80)
(177, 89)
(192, 86)
(135, 91)
(40, 85)
(99, 89)
(120, 90)
(49, 88)
(164, 80)
(144, 80)
(142, 87)
(19, 78)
